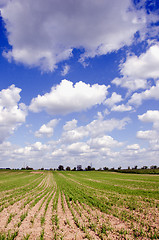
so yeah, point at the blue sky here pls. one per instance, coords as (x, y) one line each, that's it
(79, 83)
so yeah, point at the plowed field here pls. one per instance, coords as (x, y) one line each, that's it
(78, 205)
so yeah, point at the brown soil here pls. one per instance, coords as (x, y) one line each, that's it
(67, 228)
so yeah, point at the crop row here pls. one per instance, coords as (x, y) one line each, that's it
(13, 214)
(78, 205)
(137, 214)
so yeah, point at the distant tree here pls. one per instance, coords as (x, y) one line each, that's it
(105, 168)
(100, 169)
(119, 168)
(68, 168)
(88, 168)
(128, 167)
(153, 167)
(135, 167)
(51, 169)
(79, 168)
(145, 167)
(42, 168)
(29, 168)
(74, 169)
(61, 168)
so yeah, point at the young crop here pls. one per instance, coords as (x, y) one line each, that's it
(42, 220)
(26, 237)
(42, 235)
(101, 205)
(10, 218)
(8, 236)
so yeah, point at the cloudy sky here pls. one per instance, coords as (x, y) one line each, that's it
(79, 83)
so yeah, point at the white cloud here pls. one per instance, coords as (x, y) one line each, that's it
(150, 116)
(70, 125)
(121, 108)
(99, 127)
(66, 98)
(136, 70)
(130, 83)
(147, 135)
(47, 129)
(33, 153)
(152, 93)
(133, 147)
(12, 114)
(143, 67)
(74, 134)
(134, 155)
(65, 70)
(59, 153)
(78, 148)
(97, 151)
(104, 142)
(96, 26)
(115, 98)
(152, 136)
(9, 97)
(96, 128)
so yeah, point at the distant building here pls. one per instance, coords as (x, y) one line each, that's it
(79, 167)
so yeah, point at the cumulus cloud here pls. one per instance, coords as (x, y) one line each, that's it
(152, 136)
(137, 69)
(12, 114)
(152, 93)
(147, 135)
(104, 142)
(96, 128)
(47, 129)
(60, 152)
(115, 98)
(70, 125)
(121, 108)
(150, 116)
(78, 148)
(135, 155)
(99, 127)
(133, 147)
(74, 134)
(130, 83)
(101, 151)
(32, 153)
(143, 67)
(98, 27)
(66, 98)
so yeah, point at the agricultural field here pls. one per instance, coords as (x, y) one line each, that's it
(78, 205)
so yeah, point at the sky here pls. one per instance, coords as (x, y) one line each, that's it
(79, 83)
